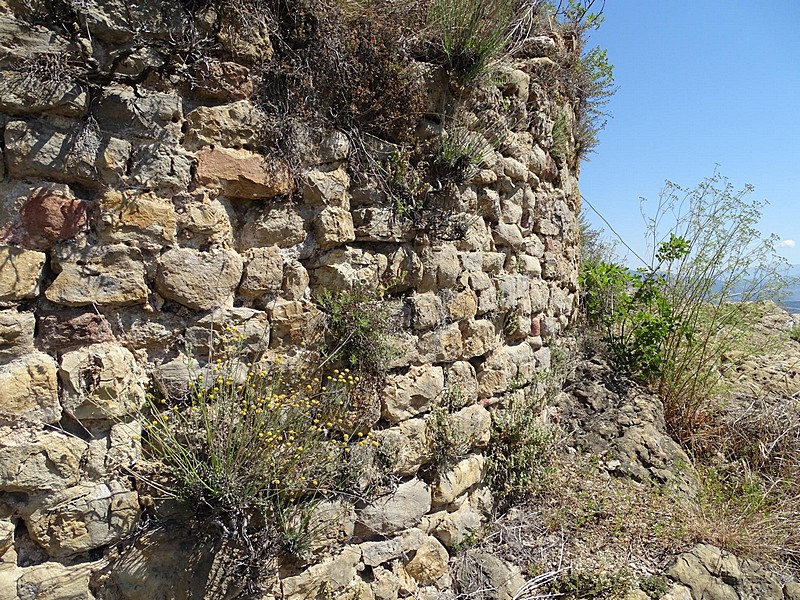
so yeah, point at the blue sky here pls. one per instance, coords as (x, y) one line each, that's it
(701, 83)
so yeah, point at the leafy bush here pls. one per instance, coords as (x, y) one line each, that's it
(674, 320)
(583, 583)
(518, 447)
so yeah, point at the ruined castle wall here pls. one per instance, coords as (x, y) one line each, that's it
(136, 214)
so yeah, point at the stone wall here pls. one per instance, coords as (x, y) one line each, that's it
(135, 214)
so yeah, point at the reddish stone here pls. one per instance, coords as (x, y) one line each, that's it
(550, 172)
(49, 217)
(549, 245)
(72, 328)
(536, 328)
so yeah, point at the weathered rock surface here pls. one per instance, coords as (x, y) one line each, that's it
(263, 272)
(51, 215)
(406, 396)
(141, 218)
(613, 416)
(199, 280)
(712, 573)
(20, 273)
(242, 174)
(29, 388)
(37, 461)
(35, 150)
(81, 518)
(101, 381)
(402, 509)
(111, 275)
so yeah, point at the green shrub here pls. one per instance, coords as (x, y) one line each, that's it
(359, 330)
(583, 583)
(655, 587)
(794, 332)
(518, 450)
(674, 320)
(448, 442)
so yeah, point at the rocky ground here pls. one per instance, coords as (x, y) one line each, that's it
(624, 513)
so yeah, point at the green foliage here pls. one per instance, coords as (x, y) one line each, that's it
(581, 583)
(518, 450)
(654, 587)
(359, 328)
(673, 321)
(448, 442)
(585, 77)
(794, 332)
(462, 153)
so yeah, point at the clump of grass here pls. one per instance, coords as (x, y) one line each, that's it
(449, 443)
(252, 438)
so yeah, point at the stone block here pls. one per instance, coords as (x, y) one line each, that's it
(462, 305)
(142, 219)
(443, 344)
(53, 581)
(263, 273)
(408, 444)
(221, 81)
(349, 268)
(24, 93)
(279, 225)
(143, 114)
(243, 174)
(161, 167)
(249, 327)
(333, 227)
(474, 423)
(426, 311)
(292, 321)
(16, 333)
(36, 461)
(101, 381)
(20, 273)
(295, 280)
(479, 337)
(199, 280)
(408, 395)
(234, 125)
(395, 512)
(450, 484)
(105, 275)
(66, 328)
(29, 389)
(430, 562)
(34, 149)
(81, 518)
(327, 188)
(332, 574)
(51, 215)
